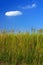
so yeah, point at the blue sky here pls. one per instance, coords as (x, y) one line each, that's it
(21, 15)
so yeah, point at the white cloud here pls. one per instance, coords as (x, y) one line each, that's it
(13, 13)
(29, 6)
(34, 5)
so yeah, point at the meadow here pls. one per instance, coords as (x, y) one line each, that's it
(21, 48)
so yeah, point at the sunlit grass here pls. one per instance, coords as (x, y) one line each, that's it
(21, 49)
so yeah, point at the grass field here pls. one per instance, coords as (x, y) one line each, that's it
(21, 49)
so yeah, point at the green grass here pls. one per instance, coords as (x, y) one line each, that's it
(21, 49)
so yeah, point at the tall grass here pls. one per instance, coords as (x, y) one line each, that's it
(21, 48)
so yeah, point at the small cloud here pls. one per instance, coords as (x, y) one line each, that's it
(13, 13)
(34, 5)
(29, 6)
